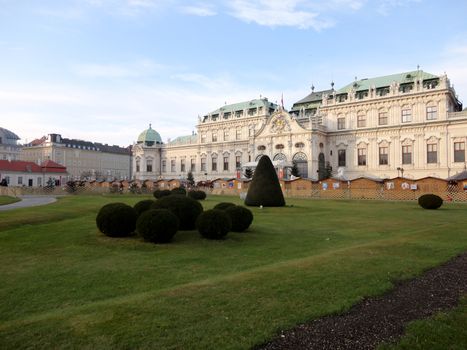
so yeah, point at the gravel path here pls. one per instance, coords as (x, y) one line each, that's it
(29, 201)
(378, 319)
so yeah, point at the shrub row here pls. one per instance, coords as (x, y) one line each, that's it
(158, 221)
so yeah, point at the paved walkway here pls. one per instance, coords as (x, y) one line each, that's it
(29, 201)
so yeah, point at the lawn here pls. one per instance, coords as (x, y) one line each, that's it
(64, 285)
(8, 200)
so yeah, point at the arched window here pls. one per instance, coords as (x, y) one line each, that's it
(280, 157)
(258, 157)
(214, 162)
(299, 145)
(261, 148)
(280, 146)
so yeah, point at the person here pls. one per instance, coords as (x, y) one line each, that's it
(4, 183)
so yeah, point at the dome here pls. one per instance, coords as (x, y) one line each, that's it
(149, 137)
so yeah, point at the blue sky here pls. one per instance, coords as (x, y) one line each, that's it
(102, 70)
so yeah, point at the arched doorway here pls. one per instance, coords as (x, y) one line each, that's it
(301, 160)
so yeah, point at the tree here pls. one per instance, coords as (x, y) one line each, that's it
(50, 183)
(295, 172)
(190, 179)
(248, 173)
(265, 189)
(328, 170)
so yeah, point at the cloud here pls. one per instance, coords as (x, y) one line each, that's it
(274, 13)
(202, 10)
(386, 6)
(143, 68)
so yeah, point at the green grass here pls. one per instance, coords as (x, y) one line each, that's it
(8, 200)
(64, 285)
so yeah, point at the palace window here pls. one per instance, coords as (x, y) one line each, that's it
(459, 151)
(406, 154)
(383, 156)
(20, 180)
(182, 165)
(172, 165)
(361, 156)
(237, 162)
(193, 165)
(361, 121)
(238, 114)
(261, 148)
(238, 134)
(203, 138)
(431, 153)
(383, 118)
(149, 165)
(226, 163)
(252, 111)
(406, 115)
(226, 135)
(340, 123)
(137, 165)
(203, 164)
(214, 163)
(431, 113)
(227, 115)
(341, 157)
(164, 166)
(214, 136)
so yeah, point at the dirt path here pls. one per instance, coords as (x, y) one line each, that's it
(379, 319)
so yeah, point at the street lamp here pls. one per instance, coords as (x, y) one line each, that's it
(401, 170)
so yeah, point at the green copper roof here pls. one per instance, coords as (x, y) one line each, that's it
(262, 102)
(401, 78)
(149, 136)
(184, 140)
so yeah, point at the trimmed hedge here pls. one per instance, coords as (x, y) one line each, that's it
(196, 194)
(178, 190)
(143, 205)
(161, 193)
(157, 225)
(240, 216)
(116, 220)
(213, 224)
(224, 205)
(265, 188)
(430, 201)
(186, 209)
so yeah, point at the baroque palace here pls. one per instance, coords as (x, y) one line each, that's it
(409, 124)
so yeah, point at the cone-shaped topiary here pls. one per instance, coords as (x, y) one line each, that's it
(265, 188)
(143, 205)
(186, 209)
(430, 201)
(213, 224)
(157, 225)
(116, 220)
(223, 205)
(240, 216)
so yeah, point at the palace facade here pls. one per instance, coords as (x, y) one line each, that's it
(409, 124)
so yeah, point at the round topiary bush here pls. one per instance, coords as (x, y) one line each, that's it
(161, 193)
(157, 225)
(224, 205)
(143, 205)
(213, 224)
(178, 190)
(430, 201)
(198, 195)
(116, 220)
(186, 209)
(240, 216)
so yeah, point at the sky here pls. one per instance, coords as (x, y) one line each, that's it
(102, 70)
